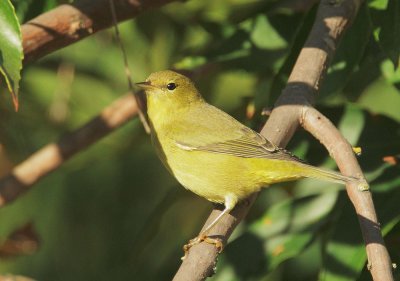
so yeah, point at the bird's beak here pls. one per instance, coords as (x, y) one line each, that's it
(145, 85)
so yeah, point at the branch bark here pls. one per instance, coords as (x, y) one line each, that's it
(293, 108)
(69, 23)
(322, 129)
(53, 155)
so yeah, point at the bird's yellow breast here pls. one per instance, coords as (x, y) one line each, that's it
(213, 175)
(209, 175)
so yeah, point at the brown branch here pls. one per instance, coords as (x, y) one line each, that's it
(50, 157)
(292, 108)
(322, 129)
(67, 24)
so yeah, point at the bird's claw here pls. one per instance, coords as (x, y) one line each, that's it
(202, 237)
(216, 242)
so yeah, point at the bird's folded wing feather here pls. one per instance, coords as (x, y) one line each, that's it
(235, 139)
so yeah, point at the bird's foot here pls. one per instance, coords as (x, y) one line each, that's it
(202, 237)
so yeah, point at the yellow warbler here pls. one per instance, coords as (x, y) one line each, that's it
(211, 153)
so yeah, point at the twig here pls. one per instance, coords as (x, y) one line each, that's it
(67, 24)
(126, 67)
(292, 108)
(50, 157)
(322, 129)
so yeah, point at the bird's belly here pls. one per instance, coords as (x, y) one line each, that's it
(214, 176)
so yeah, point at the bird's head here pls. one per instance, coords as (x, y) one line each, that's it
(169, 88)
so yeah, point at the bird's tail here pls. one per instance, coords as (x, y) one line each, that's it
(332, 176)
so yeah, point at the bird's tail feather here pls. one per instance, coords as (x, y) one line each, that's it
(332, 176)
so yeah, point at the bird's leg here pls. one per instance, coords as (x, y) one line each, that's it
(230, 202)
(203, 235)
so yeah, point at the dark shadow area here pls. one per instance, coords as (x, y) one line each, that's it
(10, 189)
(335, 266)
(246, 254)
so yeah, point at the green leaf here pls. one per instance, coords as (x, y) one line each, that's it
(387, 27)
(386, 102)
(378, 4)
(309, 212)
(264, 35)
(391, 74)
(11, 53)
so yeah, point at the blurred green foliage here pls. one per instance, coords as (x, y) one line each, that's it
(114, 213)
(11, 53)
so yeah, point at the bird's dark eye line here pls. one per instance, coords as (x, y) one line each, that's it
(171, 86)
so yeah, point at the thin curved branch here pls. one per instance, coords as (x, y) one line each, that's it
(53, 155)
(322, 129)
(293, 108)
(69, 23)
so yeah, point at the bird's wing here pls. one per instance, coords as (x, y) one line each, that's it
(233, 139)
(249, 145)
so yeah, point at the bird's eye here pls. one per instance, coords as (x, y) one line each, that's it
(171, 86)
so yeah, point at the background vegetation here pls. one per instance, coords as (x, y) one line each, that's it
(114, 213)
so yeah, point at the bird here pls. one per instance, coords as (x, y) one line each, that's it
(212, 154)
